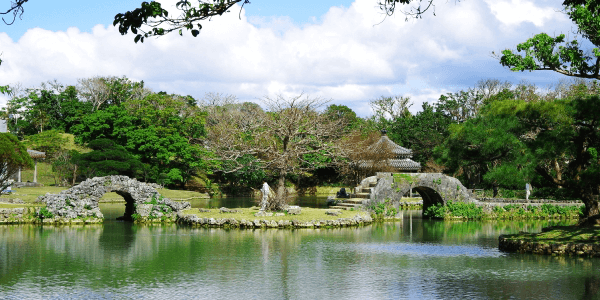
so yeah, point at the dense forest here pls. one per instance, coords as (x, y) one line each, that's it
(493, 133)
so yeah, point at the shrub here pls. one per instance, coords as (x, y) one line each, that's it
(45, 213)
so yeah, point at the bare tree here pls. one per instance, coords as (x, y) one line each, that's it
(99, 90)
(361, 159)
(489, 87)
(391, 107)
(291, 137)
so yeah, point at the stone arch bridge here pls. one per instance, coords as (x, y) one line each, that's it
(142, 201)
(434, 188)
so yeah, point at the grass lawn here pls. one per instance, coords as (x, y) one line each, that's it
(307, 214)
(11, 205)
(409, 199)
(30, 194)
(561, 235)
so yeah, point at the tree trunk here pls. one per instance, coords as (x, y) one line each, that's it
(281, 200)
(558, 172)
(591, 214)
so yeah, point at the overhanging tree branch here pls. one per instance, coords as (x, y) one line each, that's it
(16, 8)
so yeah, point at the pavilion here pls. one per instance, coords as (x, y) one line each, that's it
(389, 156)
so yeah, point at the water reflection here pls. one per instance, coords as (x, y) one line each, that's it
(410, 259)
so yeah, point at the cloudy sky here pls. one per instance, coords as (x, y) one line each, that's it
(343, 50)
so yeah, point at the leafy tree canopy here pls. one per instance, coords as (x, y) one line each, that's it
(543, 52)
(107, 158)
(13, 155)
(49, 141)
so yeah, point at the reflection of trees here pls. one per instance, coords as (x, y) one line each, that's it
(119, 236)
(592, 286)
(479, 231)
(314, 263)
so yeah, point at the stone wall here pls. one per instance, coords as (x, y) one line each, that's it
(143, 202)
(18, 215)
(261, 223)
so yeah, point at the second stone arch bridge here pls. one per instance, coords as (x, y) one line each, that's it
(434, 188)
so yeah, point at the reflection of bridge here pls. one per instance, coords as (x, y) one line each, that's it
(434, 188)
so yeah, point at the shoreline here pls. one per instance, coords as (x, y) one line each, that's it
(555, 241)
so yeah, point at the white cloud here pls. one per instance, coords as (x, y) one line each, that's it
(347, 55)
(515, 12)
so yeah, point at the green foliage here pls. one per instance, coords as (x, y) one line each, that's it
(403, 177)
(153, 15)
(437, 211)
(13, 155)
(383, 209)
(107, 158)
(45, 213)
(251, 174)
(543, 52)
(452, 210)
(154, 200)
(49, 141)
(135, 217)
(510, 211)
(545, 211)
(421, 133)
(161, 131)
(344, 114)
(46, 108)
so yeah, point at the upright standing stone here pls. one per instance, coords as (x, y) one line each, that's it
(265, 196)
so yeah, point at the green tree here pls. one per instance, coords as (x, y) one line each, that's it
(422, 133)
(516, 141)
(107, 158)
(49, 141)
(164, 131)
(13, 156)
(49, 107)
(543, 52)
(344, 114)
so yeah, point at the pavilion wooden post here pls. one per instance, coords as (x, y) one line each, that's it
(35, 172)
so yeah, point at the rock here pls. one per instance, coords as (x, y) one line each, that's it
(333, 212)
(203, 210)
(279, 214)
(262, 213)
(225, 210)
(294, 210)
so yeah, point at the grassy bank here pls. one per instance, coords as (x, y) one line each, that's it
(308, 214)
(560, 235)
(559, 240)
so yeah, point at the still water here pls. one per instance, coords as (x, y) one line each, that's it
(412, 259)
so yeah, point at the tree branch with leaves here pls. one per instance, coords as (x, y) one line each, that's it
(543, 52)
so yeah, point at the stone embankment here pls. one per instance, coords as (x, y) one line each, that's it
(523, 246)
(18, 215)
(263, 223)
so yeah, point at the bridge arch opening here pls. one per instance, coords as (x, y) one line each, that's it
(129, 205)
(430, 196)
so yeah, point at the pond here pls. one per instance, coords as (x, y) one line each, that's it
(412, 259)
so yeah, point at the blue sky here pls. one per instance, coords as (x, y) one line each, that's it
(330, 49)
